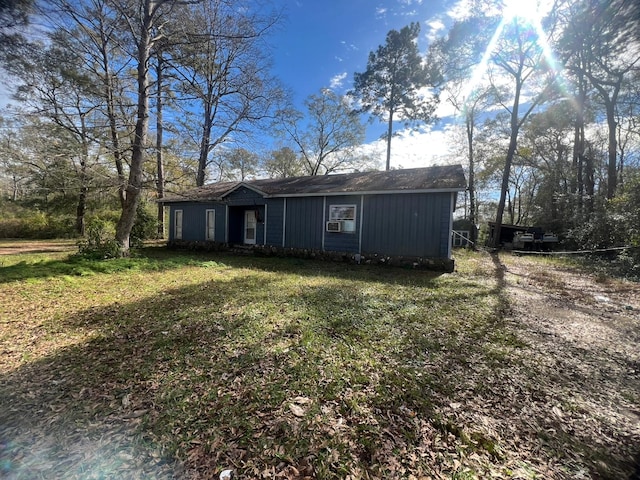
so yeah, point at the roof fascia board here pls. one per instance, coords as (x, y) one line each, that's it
(189, 200)
(243, 184)
(366, 192)
(315, 194)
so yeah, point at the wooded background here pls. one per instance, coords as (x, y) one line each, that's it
(118, 102)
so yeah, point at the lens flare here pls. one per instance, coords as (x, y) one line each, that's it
(528, 14)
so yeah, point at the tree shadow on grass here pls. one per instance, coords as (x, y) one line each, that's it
(161, 259)
(212, 354)
(477, 398)
(562, 394)
(78, 412)
(208, 373)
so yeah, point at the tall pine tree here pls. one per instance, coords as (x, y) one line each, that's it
(392, 86)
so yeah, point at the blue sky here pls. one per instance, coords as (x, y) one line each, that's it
(324, 40)
(322, 43)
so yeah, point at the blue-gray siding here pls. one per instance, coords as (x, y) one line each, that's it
(275, 217)
(416, 224)
(412, 224)
(244, 196)
(304, 222)
(194, 221)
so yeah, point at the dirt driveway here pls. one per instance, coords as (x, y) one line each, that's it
(582, 354)
(15, 247)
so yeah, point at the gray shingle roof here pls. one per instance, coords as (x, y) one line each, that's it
(447, 177)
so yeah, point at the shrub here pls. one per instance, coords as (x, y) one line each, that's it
(99, 242)
(145, 226)
(22, 222)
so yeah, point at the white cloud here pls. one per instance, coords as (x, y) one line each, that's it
(461, 10)
(445, 109)
(436, 25)
(413, 149)
(337, 80)
(349, 46)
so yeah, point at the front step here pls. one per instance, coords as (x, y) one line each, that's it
(242, 249)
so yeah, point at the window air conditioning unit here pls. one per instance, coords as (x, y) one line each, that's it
(334, 226)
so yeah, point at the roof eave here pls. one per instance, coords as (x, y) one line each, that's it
(187, 200)
(315, 194)
(240, 185)
(368, 192)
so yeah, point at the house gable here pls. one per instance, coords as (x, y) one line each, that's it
(243, 195)
(243, 190)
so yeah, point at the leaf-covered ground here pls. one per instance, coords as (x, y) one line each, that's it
(183, 365)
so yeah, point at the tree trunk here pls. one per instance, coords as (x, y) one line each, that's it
(113, 123)
(578, 149)
(610, 99)
(589, 183)
(117, 154)
(134, 185)
(389, 135)
(203, 160)
(81, 208)
(159, 159)
(14, 196)
(472, 187)
(612, 168)
(513, 141)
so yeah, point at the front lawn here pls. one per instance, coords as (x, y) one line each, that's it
(186, 364)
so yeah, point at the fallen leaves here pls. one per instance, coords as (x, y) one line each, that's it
(297, 407)
(326, 372)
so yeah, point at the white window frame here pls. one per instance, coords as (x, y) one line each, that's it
(337, 214)
(461, 237)
(177, 224)
(210, 227)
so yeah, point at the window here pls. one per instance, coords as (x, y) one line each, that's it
(346, 215)
(460, 238)
(210, 233)
(177, 225)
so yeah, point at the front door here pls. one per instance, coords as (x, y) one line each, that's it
(250, 227)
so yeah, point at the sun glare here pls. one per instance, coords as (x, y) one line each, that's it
(528, 10)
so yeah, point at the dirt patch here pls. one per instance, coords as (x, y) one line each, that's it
(16, 247)
(581, 352)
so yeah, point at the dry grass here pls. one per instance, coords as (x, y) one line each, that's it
(171, 365)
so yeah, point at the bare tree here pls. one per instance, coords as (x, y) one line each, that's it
(144, 24)
(328, 135)
(222, 73)
(14, 15)
(519, 56)
(160, 175)
(283, 163)
(238, 164)
(92, 30)
(13, 168)
(456, 61)
(54, 86)
(601, 44)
